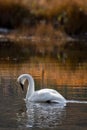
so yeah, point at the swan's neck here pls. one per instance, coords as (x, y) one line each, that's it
(30, 89)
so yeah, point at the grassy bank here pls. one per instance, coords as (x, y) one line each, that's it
(42, 24)
(68, 16)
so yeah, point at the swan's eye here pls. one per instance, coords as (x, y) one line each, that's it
(22, 86)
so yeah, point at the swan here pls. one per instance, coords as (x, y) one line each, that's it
(43, 95)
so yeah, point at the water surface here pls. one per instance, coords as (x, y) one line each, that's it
(15, 113)
(63, 69)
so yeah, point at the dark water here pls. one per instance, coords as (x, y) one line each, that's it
(47, 72)
(64, 70)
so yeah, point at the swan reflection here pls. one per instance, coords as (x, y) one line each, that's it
(44, 115)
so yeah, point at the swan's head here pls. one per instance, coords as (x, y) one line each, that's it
(21, 80)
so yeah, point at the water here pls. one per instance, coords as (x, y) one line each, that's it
(69, 78)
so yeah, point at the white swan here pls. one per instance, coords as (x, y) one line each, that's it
(43, 95)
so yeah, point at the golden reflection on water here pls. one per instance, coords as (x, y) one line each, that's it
(47, 71)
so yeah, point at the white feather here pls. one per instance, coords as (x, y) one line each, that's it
(43, 95)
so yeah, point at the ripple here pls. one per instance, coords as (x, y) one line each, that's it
(75, 101)
(43, 115)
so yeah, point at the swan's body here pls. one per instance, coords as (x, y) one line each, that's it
(43, 95)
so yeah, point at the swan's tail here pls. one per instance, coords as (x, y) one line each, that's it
(75, 101)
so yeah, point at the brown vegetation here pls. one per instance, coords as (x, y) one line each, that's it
(68, 16)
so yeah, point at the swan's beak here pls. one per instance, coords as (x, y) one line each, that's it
(22, 86)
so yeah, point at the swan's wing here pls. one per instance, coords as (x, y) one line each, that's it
(50, 90)
(51, 93)
(45, 95)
